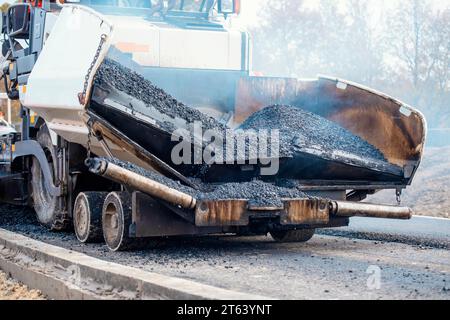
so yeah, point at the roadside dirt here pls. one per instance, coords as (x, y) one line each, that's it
(429, 193)
(12, 290)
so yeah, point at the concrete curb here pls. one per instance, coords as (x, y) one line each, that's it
(64, 274)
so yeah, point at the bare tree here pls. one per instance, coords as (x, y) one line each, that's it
(331, 39)
(349, 47)
(285, 42)
(419, 39)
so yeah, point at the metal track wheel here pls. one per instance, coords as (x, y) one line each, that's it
(116, 221)
(87, 216)
(300, 235)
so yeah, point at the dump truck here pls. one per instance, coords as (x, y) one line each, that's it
(104, 86)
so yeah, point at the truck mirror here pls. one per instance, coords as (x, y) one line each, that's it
(227, 7)
(18, 21)
(2, 27)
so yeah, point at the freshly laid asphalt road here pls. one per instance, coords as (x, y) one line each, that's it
(370, 259)
(433, 232)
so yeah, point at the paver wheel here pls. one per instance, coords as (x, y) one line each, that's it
(116, 221)
(49, 209)
(87, 216)
(301, 235)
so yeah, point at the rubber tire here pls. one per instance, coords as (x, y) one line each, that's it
(87, 216)
(46, 206)
(290, 236)
(117, 206)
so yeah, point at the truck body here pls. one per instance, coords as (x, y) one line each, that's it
(191, 54)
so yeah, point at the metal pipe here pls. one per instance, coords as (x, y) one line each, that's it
(116, 137)
(357, 209)
(9, 110)
(141, 183)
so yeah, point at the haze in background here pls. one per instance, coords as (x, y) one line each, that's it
(401, 47)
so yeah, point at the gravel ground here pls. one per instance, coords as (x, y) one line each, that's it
(12, 290)
(327, 267)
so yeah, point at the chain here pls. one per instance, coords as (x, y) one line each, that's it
(88, 156)
(82, 95)
(398, 195)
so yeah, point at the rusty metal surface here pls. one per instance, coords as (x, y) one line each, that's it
(357, 209)
(295, 212)
(255, 93)
(239, 212)
(396, 129)
(141, 183)
(312, 212)
(221, 213)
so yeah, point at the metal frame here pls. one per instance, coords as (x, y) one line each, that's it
(5, 97)
(152, 218)
(25, 59)
(13, 188)
(33, 148)
(27, 18)
(102, 128)
(293, 212)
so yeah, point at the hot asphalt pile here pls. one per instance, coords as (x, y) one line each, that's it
(133, 84)
(300, 131)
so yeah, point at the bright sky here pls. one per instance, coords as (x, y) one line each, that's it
(250, 9)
